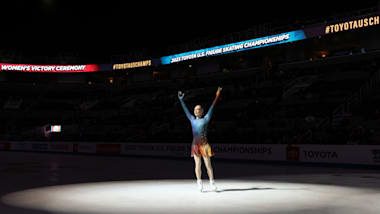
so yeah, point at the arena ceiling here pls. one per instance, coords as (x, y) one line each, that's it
(111, 27)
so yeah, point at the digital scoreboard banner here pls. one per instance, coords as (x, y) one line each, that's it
(129, 65)
(49, 68)
(235, 47)
(292, 36)
(137, 64)
(352, 24)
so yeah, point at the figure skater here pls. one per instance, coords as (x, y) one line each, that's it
(200, 146)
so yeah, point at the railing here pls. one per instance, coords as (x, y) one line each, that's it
(354, 98)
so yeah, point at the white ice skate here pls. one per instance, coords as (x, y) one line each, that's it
(213, 186)
(200, 185)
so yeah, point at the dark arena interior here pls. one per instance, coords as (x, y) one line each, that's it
(114, 107)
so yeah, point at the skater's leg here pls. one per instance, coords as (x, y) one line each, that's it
(209, 168)
(210, 172)
(198, 165)
(198, 171)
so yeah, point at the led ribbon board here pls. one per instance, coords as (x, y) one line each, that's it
(236, 47)
(352, 24)
(49, 68)
(129, 65)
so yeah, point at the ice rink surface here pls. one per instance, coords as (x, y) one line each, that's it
(41, 183)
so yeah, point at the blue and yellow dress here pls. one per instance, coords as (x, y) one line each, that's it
(200, 145)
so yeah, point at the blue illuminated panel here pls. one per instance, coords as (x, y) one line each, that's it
(236, 47)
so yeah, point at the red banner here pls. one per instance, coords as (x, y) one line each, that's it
(4, 146)
(49, 68)
(108, 149)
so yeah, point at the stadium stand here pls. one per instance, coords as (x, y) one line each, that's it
(269, 96)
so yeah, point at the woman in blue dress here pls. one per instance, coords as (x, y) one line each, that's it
(200, 146)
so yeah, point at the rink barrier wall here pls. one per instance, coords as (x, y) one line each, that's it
(302, 153)
(5, 146)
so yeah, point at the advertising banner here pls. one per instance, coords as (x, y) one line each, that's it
(108, 148)
(155, 149)
(226, 151)
(129, 65)
(40, 146)
(21, 146)
(86, 148)
(272, 152)
(335, 154)
(235, 47)
(5, 146)
(352, 24)
(60, 147)
(49, 68)
(292, 36)
(345, 154)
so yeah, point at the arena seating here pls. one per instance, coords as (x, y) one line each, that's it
(286, 104)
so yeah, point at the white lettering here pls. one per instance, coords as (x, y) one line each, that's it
(42, 68)
(15, 67)
(214, 51)
(71, 68)
(320, 154)
(231, 48)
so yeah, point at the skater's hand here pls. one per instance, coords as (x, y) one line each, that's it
(181, 95)
(219, 90)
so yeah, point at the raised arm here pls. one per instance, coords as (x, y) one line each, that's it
(180, 97)
(211, 109)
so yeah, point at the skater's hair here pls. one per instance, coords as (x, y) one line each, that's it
(199, 106)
